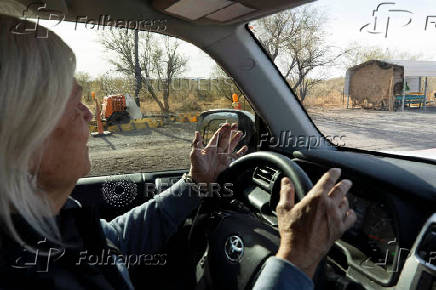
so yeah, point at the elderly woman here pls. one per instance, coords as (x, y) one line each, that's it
(43, 150)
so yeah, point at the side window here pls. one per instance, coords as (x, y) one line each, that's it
(151, 108)
(364, 71)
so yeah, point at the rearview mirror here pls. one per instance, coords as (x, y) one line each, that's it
(210, 121)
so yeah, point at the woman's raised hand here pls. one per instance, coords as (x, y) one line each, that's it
(209, 161)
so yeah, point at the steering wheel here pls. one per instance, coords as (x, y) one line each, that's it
(283, 163)
(236, 241)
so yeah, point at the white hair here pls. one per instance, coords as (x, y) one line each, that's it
(36, 76)
(11, 7)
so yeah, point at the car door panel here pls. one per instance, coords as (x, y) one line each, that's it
(116, 194)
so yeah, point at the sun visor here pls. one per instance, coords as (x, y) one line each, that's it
(195, 9)
(230, 12)
(223, 11)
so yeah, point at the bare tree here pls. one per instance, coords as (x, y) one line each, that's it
(85, 81)
(168, 64)
(223, 85)
(159, 60)
(295, 41)
(275, 30)
(105, 83)
(109, 84)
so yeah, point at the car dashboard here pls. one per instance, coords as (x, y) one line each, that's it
(375, 250)
(374, 232)
(371, 245)
(391, 245)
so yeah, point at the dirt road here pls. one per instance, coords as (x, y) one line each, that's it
(142, 151)
(168, 147)
(379, 130)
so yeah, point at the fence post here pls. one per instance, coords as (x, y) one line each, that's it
(404, 92)
(425, 94)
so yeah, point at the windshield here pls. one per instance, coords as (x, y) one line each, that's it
(364, 71)
(148, 117)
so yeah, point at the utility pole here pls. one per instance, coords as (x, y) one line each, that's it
(137, 71)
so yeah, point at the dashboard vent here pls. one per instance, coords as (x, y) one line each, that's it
(427, 246)
(265, 176)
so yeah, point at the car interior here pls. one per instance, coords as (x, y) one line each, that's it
(391, 246)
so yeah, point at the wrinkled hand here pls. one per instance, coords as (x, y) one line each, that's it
(309, 229)
(208, 162)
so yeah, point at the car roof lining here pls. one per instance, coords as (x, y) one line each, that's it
(134, 9)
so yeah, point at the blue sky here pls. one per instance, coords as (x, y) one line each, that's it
(344, 21)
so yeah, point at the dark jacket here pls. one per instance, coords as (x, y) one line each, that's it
(55, 267)
(98, 252)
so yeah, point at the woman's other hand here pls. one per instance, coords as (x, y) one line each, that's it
(208, 162)
(310, 228)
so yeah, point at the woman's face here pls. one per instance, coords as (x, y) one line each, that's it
(66, 158)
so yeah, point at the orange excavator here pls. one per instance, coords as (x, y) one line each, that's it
(113, 111)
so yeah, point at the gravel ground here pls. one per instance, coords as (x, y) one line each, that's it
(379, 130)
(143, 150)
(168, 147)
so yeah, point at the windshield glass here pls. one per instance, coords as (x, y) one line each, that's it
(365, 71)
(148, 116)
